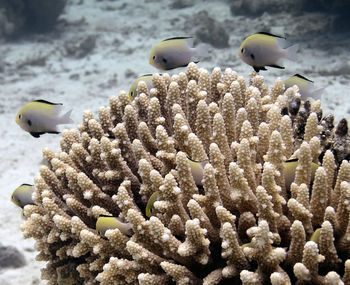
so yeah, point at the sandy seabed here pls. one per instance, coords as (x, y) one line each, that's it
(119, 36)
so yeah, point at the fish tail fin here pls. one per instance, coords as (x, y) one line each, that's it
(66, 119)
(312, 94)
(201, 50)
(189, 42)
(317, 94)
(291, 52)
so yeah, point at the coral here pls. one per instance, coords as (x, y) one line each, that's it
(238, 223)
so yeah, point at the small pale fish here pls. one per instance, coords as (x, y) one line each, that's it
(264, 49)
(147, 78)
(305, 85)
(197, 169)
(175, 52)
(316, 235)
(246, 245)
(150, 210)
(289, 171)
(39, 117)
(22, 195)
(105, 223)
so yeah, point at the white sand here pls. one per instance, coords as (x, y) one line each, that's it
(126, 32)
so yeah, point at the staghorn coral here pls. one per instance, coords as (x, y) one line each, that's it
(240, 224)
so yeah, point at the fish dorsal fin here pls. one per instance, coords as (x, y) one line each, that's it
(302, 77)
(26, 184)
(46, 102)
(292, 160)
(271, 35)
(177, 38)
(197, 161)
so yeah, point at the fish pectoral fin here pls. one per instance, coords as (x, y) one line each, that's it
(36, 134)
(276, 66)
(258, 68)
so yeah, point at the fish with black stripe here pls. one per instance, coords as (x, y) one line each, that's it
(265, 49)
(40, 116)
(176, 52)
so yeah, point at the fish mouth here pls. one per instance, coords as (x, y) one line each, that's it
(17, 119)
(240, 54)
(151, 61)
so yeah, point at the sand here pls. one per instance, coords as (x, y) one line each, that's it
(50, 67)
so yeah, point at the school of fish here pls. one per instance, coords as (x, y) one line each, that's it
(259, 50)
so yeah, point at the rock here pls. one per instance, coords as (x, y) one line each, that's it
(12, 19)
(129, 73)
(41, 15)
(341, 143)
(258, 7)
(10, 256)
(181, 4)
(208, 29)
(80, 47)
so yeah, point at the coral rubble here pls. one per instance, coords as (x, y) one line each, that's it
(241, 223)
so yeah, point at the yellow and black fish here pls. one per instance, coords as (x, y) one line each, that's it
(197, 169)
(289, 171)
(175, 52)
(105, 223)
(22, 195)
(150, 210)
(264, 49)
(305, 85)
(147, 78)
(39, 117)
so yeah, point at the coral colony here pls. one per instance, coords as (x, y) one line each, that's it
(244, 224)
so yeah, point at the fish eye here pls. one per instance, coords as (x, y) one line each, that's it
(154, 57)
(19, 116)
(252, 56)
(164, 60)
(29, 122)
(242, 50)
(132, 93)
